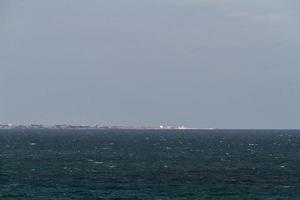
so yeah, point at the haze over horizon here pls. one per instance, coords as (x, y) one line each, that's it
(198, 63)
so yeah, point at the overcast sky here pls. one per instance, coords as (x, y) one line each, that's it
(200, 63)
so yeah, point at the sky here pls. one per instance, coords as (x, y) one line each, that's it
(198, 63)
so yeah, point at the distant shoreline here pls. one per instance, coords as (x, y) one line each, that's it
(97, 127)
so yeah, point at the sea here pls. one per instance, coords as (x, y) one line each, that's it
(87, 164)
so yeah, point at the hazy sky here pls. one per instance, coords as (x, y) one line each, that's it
(201, 63)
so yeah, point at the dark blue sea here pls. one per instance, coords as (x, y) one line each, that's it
(149, 164)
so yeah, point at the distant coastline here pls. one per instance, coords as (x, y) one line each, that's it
(40, 126)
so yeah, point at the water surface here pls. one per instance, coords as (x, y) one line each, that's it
(148, 164)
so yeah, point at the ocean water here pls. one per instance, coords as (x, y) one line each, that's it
(147, 164)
